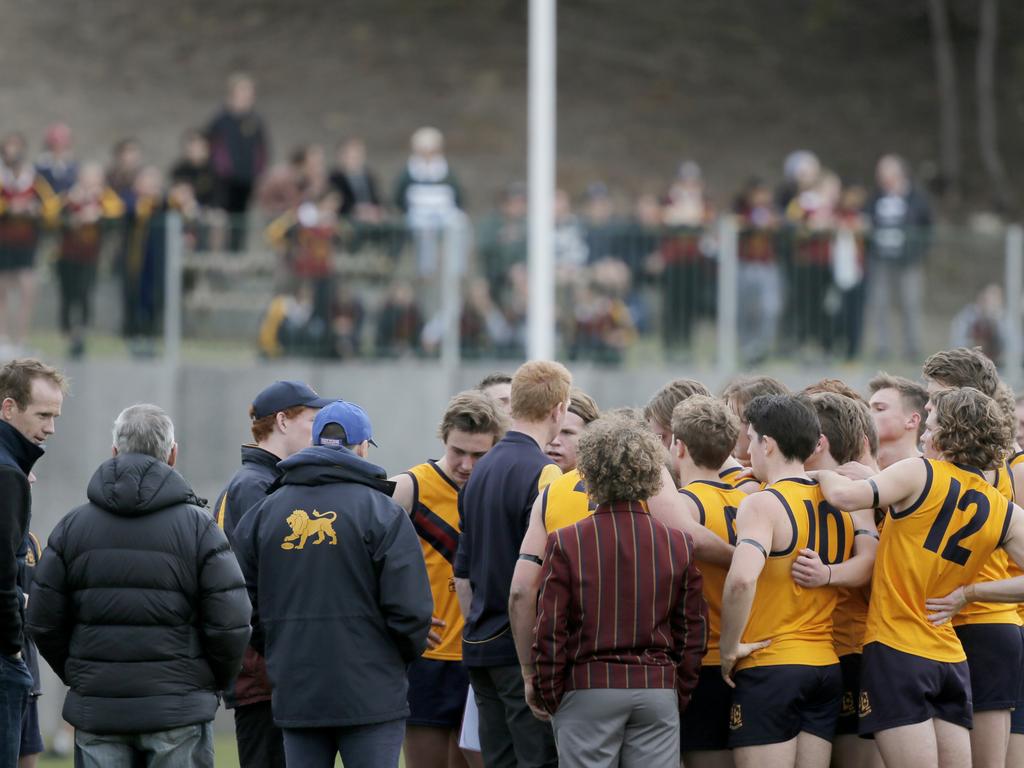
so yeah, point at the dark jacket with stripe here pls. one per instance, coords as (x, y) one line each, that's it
(17, 456)
(138, 603)
(340, 592)
(244, 491)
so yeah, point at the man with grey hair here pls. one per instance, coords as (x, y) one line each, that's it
(140, 607)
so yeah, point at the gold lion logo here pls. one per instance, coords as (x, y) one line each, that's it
(865, 704)
(303, 526)
(735, 717)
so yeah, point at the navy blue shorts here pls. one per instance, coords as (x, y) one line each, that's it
(849, 667)
(899, 688)
(31, 736)
(775, 704)
(437, 693)
(994, 656)
(705, 723)
(1017, 718)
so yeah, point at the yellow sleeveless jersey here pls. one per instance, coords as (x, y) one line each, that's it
(798, 621)
(850, 619)
(564, 502)
(929, 549)
(717, 503)
(435, 515)
(995, 568)
(1013, 569)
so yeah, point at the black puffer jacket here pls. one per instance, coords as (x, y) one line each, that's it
(138, 603)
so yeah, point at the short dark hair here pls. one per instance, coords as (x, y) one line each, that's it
(707, 428)
(841, 422)
(498, 377)
(789, 420)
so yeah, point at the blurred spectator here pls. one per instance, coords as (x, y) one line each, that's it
(399, 323)
(239, 149)
(289, 327)
(195, 169)
(27, 204)
(355, 183)
(428, 193)
(570, 242)
(88, 209)
(848, 264)
(484, 331)
(280, 189)
(901, 221)
(602, 327)
(761, 285)
(347, 316)
(812, 216)
(141, 262)
(599, 223)
(502, 240)
(314, 180)
(126, 161)
(800, 172)
(306, 239)
(57, 163)
(687, 278)
(982, 323)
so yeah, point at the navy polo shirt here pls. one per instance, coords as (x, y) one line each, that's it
(494, 512)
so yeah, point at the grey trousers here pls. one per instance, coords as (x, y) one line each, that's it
(900, 287)
(632, 728)
(190, 746)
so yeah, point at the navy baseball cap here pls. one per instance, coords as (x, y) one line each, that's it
(350, 417)
(282, 395)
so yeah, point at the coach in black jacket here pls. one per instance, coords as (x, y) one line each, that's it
(139, 605)
(341, 598)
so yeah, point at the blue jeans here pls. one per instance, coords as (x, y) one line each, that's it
(190, 746)
(360, 746)
(15, 688)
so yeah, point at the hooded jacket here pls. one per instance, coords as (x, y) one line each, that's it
(341, 598)
(138, 603)
(17, 456)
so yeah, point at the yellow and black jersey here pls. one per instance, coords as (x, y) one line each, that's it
(564, 502)
(798, 620)
(435, 515)
(937, 544)
(996, 568)
(716, 503)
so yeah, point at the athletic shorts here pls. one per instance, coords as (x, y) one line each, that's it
(994, 657)
(1017, 718)
(437, 693)
(16, 259)
(899, 688)
(705, 723)
(849, 667)
(31, 736)
(775, 704)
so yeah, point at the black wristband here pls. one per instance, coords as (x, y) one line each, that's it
(866, 532)
(530, 558)
(754, 543)
(874, 491)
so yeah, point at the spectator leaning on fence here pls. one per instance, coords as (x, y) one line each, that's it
(139, 606)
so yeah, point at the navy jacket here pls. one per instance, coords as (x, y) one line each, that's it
(18, 454)
(138, 603)
(249, 486)
(339, 589)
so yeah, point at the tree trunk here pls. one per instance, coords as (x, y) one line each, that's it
(949, 108)
(985, 70)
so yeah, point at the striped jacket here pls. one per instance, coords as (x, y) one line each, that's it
(620, 606)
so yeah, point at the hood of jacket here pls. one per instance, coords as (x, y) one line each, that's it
(320, 465)
(16, 450)
(133, 484)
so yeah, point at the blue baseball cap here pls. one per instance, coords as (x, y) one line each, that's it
(349, 417)
(282, 395)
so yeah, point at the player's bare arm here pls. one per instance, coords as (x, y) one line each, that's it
(522, 597)
(405, 491)
(754, 535)
(897, 486)
(810, 571)
(667, 506)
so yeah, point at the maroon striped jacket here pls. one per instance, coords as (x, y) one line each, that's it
(620, 606)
